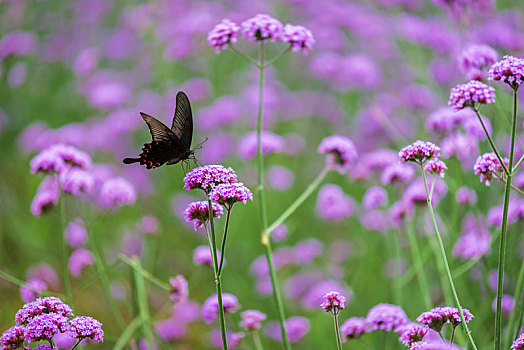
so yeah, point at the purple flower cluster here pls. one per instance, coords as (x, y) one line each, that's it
(179, 289)
(45, 327)
(258, 28)
(475, 59)
(387, 317)
(228, 194)
(85, 327)
(413, 334)
(251, 320)
(41, 306)
(208, 177)
(58, 158)
(296, 328)
(333, 204)
(210, 307)
(518, 344)
(340, 150)
(116, 192)
(12, 338)
(222, 34)
(333, 302)
(488, 166)
(198, 213)
(374, 197)
(436, 166)
(353, 328)
(437, 317)
(419, 152)
(470, 95)
(509, 70)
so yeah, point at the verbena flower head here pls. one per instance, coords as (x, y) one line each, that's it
(202, 255)
(432, 319)
(229, 194)
(465, 195)
(488, 166)
(413, 334)
(419, 152)
(208, 177)
(116, 192)
(436, 166)
(333, 302)
(340, 150)
(222, 34)
(47, 196)
(42, 306)
(518, 344)
(59, 157)
(353, 328)
(470, 95)
(45, 326)
(179, 289)
(397, 173)
(475, 58)
(85, 327)
(299, 37)
(12, 338)
(420, 345)
(262, 27)
(32, 289)
(437, 317)
(296, 328)
(76, 234)
(80, 258)
(509, 70)
(386, 317)
(210, 306)
(76, 181)
(251, 320)
(198, 213)
(374, 197)
(333, 204)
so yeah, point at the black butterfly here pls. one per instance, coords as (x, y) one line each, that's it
(169, 146)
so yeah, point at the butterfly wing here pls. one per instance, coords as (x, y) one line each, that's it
(182, 125)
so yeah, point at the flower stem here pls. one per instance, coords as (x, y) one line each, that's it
(217, 277)
(514, 170)
(274, 59)
(101, 268)
(337, 331)
(495, 149)
(446, 264)
(63, 247)
(141, 298)
(256, 340)
(504, 231)
(298, 202)
(266, 241)
(248, 58)
(223, 249)
(419, 267)
(510, 333)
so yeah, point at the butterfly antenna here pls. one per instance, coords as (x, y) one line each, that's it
(199, 146)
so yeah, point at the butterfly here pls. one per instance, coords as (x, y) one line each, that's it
(169, 146)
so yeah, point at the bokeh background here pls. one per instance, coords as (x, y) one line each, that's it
(79, 72)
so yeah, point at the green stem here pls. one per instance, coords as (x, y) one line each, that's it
(243, 55)
(21, 283)
(146, 274)
(415, 253)
(274, 59)
(101, 268)
(74, 347)
(495, 149)
(257, 341)
(510, 333)
(514, 170)
(63, 247)
(446, 264)
(141, 296)
(337, 332)
(217, 278)
(298, 202)
(223, 249)
(266, 241)
(504, 231)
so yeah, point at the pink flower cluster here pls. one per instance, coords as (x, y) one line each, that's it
(258, 28)
(437, 317)
(509, 70)
(471, 94)
(488, 166)
(333, 302)
(340, 150)
(419, 152)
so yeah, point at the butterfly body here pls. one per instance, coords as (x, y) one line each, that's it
(169, 146)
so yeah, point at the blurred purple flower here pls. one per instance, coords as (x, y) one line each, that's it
(386, 316)
(314, 295)
(280, 177)
(251, 320)
(475, 59)
(262, 27)
(170, 329)
(32, 289)
(299, 37)
(202, 256)
(397, 173)
(233, 339)
(443, 120)
(435, 166)
(210, 307)
(44, 272)
(304, 252)
(86, 61)
(148, 224)
(340, 150)
(418, 96)
(465, 195)
(226, 110)
(462, 145)
(296, 327)
(374, 197)
(17, 75)
(17, 43)
(46, 197)
(116, 192)
(333, 204)
(375, 220)
(179, 289)
(76, 181)
(508, 302)
(270, 143)
(75, 233)
(493, 279)
(279, 233)
(109, 95)
(222, 34)
(353, 328)
(415, 193)
(79, 259)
